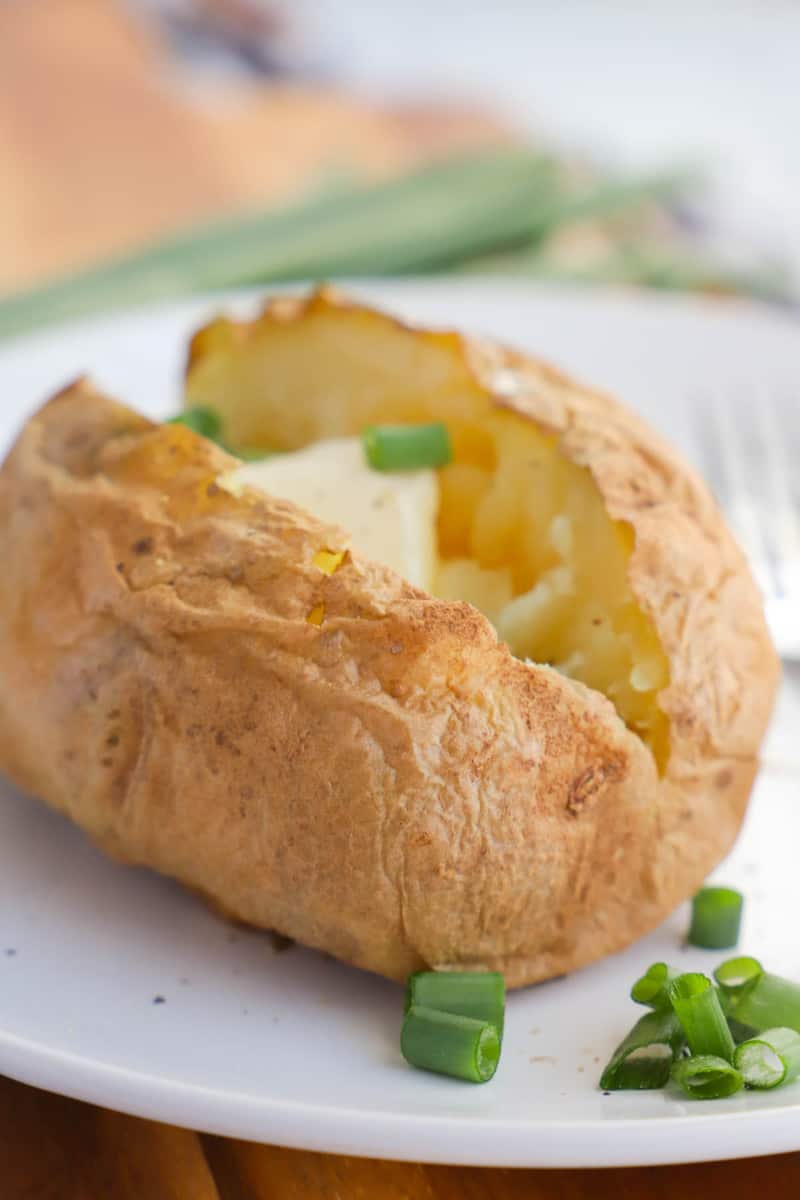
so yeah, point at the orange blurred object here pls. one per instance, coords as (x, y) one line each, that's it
(103, 146)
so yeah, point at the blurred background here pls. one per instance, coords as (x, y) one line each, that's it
(157, 147)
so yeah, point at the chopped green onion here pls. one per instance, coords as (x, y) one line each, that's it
(450, 1044)
(769, 1060)
(764, 1002)
(716, 918)
(697, 1006)
(707, 1077)
(644, 1058)
(204, 421)
(406, 447)
(739, 1031)
(652, 988)
(738, 974)
(477, 994)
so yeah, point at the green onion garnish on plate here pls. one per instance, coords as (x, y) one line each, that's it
(711, 1040)
(737, 975)
(716, 918)
(652, 988)
(770, 1059)
(644, 1058)
(204, 421)
(450, 1044)
(707, 1077)
(407, 447)
(477, 994)
(696, 1004)
(757, 998)
(739, 1031)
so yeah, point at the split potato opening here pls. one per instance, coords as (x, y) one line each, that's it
(522, 532)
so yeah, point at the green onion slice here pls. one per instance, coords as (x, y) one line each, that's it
(450, 1044)
(739, 1031)
(697, 1006)
(707, 1077)
(652, 988)
(769, 1060)
(406, 447)
(204, 421)
(765, 1002)
(716, 918)
(644, 1058)
(738, 974)
(477, 994)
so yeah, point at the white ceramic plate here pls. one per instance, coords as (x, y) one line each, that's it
(118, 987)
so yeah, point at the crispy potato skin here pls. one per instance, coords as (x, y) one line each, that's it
(392, 787)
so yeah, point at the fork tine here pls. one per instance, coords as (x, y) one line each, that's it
(724, 449)
(782, 517)
(749, 448)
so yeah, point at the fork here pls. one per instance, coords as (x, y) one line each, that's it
(750, 450)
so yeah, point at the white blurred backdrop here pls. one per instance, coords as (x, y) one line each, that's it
(639, 82)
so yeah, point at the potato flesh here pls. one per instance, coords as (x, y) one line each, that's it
(522, 531)
(536, 551)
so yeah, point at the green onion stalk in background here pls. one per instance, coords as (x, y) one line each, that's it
(496, 212)
(420, 222)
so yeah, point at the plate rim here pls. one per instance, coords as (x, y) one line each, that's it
(559, 1143)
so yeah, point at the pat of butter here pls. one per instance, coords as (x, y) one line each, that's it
(390, 516)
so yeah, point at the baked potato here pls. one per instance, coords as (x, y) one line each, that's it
(523, 772)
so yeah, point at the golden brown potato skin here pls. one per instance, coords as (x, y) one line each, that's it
(392, 787)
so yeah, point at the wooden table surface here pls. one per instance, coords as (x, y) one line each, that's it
(98, 153)
(57, 1149)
